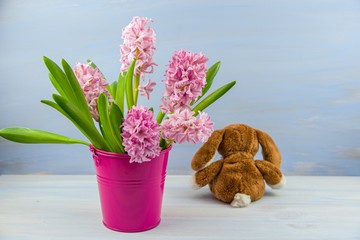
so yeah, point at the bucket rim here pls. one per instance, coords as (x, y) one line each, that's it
(122, 155)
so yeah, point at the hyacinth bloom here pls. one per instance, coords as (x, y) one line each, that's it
(185, 78)
(146, 89)
(182, 126)
(93, 84)
(141, 134)
(123, 126)
(139, 44)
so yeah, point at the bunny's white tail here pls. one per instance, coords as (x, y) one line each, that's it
(241, 200)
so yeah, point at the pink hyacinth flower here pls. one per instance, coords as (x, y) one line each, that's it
(141, 135)
(93, 83)
(139, 44)
(185, 78)
(146, 89)
(182, 126)
(202, 128)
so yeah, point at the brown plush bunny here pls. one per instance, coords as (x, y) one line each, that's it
(238, 178)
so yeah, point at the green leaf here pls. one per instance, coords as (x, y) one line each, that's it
(103, 108)
(29, 135)
(57, 107)
(129, 85)
(163, 143)
(120, 92)
(80, 100)
(113, 88)
(56, 85)
(213, 97)
(116, 119)
(60, 78)
(81, 122)
(210, 75)
(67, 85)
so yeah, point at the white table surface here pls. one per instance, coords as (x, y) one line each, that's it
(67, 207)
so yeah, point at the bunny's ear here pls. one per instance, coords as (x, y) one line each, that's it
(270, 151)
(207, 151)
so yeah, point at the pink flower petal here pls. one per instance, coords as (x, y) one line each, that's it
(146, 89)
(141, 134)
(181, 126)
(93, 84)
(185, 78)
(139, 43)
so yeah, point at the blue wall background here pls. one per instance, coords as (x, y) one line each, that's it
(297, 66)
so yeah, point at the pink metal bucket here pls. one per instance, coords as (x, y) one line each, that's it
(130, 193)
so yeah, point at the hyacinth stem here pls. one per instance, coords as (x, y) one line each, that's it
(168, 143)
(160, 117)
(136, 86)
(164, 144)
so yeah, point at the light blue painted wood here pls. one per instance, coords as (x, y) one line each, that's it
(296, 63)
(67, 207)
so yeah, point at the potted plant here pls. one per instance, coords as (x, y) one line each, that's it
(130, 145)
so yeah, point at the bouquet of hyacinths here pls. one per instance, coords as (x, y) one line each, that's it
(87, 99)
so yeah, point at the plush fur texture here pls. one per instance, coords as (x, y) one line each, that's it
(237, 174)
